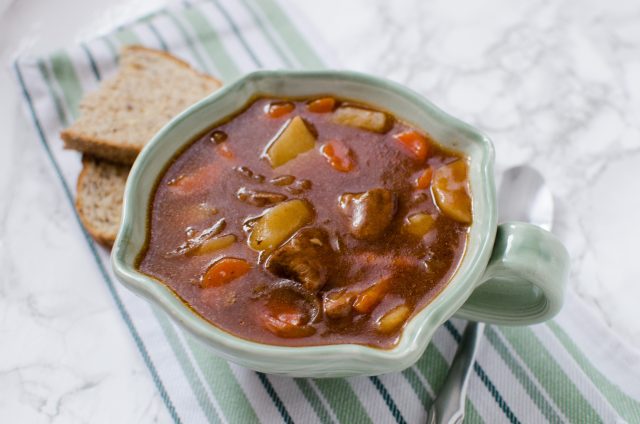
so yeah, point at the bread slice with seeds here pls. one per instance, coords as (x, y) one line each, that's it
(149, 89)
(99, 194)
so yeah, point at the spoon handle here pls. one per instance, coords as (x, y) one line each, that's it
(449, 405)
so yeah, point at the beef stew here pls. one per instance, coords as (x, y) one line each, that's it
(304, 222)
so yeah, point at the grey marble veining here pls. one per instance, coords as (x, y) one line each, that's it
(554, 84)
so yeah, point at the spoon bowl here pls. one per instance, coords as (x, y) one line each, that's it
(524, 196)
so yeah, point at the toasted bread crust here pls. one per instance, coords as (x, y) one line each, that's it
(102, 234)
(120, 153)
(120, 117)
(104, 238)
(169, 56)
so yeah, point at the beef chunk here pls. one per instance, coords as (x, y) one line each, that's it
(371, 212)
(259, 198)
(305, 258)
(338, 304)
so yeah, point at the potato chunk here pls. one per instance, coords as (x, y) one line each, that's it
(393, 319)
(450, 191)
(215, 244)
(419, 224)
(365, 119)
(279, 223)
(293, 140)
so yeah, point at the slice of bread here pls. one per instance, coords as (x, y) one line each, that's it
(99, 195)
(150, 88)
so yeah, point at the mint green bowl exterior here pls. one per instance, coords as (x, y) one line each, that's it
(328, 360)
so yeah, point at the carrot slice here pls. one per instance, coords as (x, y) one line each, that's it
(287, 321)
(424, 180)
(322, 105)
(224, 151)
(415, 143)
(194, 182)
(281, 326)
(224, 271)
(278, 110)
(368, 299)
(339, 156)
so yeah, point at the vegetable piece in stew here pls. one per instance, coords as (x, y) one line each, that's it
(310, 221)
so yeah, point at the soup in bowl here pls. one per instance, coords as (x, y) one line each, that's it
(324, 224)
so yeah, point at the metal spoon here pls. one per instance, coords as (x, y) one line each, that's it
(522, 196)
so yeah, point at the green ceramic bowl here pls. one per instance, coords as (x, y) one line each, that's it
(511, 274)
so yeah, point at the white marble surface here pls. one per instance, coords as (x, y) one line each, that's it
(555, 85)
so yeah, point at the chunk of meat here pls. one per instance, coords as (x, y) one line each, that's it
(299, 186)
(194, 243)
(338, 304)
(218, 137)
(247, 172)
(304, 258)
(259, 198)
(371, 212)
(289, 311)
(282, 180)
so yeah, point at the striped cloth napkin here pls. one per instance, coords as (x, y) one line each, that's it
(561, 371)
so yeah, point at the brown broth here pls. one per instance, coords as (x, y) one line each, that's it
(419, 268)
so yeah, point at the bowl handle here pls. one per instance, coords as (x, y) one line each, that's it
(525, 280)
